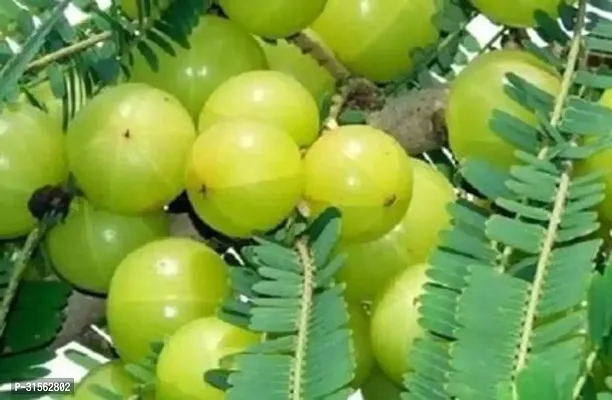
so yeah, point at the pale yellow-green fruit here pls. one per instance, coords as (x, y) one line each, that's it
(478, 90)
(194, 349)
(44, 95)
(244, 176)
(375, 38)
(32, 155)
(359, 324)
(193, 74)
(518, 13)
(363, 172)
(127, 148)
(160, 287)
(602, 161)
(370, 266)
(272, 97)
(131, 7)
(395, 322)
(287, 58)
(379, 387)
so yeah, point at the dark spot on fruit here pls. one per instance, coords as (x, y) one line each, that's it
(166, 99)
(389, 201)
(203, 190)
(127, 134)
(49, 201)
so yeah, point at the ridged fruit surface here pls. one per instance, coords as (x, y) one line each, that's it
(478, 90)
(375, 38)
(364, 173)
(31, 156)
(160, 287)
(219, 50)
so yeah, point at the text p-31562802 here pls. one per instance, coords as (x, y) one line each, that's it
(44, 386)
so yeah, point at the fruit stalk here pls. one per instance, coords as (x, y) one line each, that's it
(324, 57)
(562, 193)
(69, 50)
(19, 267)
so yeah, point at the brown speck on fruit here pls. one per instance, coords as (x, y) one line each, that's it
(203, 190)
(127, 134)
(389, 201)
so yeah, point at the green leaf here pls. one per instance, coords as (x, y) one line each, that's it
(307, 348)
(12, 71)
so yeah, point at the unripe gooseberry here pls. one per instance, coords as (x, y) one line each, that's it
(287, 58)
(43, 94)
(359, 324)
(378, 386)
(194, 349)
(364, 173)
(601, 161)
(273, 19)
(31, 156)
(87, 247)
(193, 74)
(244, 176)
(111, 376)
(478, 90)
(127, 148)
(520, 14)
(392, 346)
(375, 38)
(370, 266)
(130, 7)
(269, 96)
(158, 288)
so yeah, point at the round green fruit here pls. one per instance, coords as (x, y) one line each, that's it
(158, 288)
(194, 349)
(244, 176)
(130, 7)
(268, 96)
(127, 148)
(364, 173)
(273, 19)
(478, 90)
(287, 58)
(359, 324)
(193, 74)
(401, 298)
(31, 156)
(88, 246)
(370, 266)
(378, 387)
(45, 97)
(520, 14)
(359, 32)
(601, 161)
(111, 376)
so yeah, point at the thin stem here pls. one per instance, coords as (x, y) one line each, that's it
(562, 193)
(69, 50)
(583, 377)
(306, 308)
(320, 54)
(20, 265)
(338, 101)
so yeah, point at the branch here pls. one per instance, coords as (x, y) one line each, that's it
(69, 50)
(322, 55)
(20, 266)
